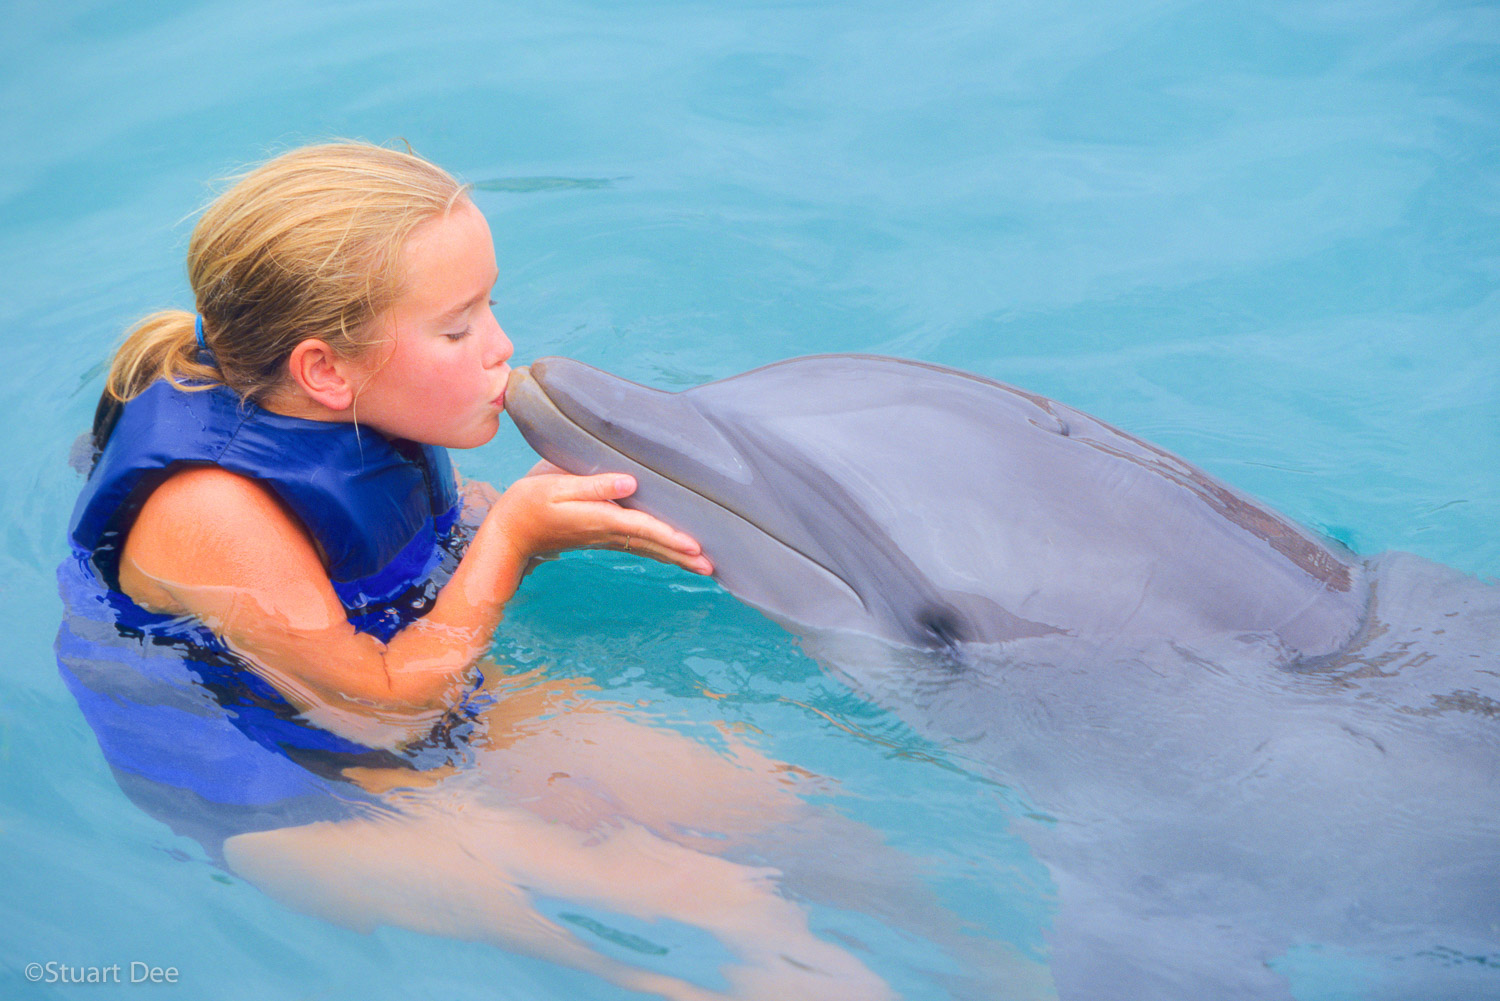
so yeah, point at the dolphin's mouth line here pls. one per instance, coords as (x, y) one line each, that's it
(581, 430)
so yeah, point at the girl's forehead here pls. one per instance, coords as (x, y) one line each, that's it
(455, 233)
(447, 261)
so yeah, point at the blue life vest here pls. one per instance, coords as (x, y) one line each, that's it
(180, 718)
(377, 509)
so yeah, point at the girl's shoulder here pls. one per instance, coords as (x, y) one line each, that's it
(206, 524)
(361, 497)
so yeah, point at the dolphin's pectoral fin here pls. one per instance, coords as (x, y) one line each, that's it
(976, 618)
(943, 625)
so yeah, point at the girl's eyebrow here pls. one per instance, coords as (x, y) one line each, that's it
(464, 307)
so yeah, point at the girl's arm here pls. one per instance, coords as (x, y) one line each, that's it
(221, 547)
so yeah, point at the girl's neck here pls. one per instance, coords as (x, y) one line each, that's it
(291, 401)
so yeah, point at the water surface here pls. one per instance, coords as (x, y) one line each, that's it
(1261, 235)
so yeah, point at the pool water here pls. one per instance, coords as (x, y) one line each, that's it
(1261, 235)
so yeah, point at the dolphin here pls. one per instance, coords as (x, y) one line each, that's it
(1239, 743)
(813, 481)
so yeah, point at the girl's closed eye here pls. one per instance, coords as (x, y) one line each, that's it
(459, 335)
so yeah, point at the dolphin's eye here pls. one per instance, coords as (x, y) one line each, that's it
(942, 625)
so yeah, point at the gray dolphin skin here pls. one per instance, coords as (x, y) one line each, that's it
(813, 483)
(1241, 748)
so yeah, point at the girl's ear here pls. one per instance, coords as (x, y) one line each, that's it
(323, 375)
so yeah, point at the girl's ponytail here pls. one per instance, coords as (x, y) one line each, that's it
(162, 346)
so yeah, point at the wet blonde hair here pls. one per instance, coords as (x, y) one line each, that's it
(307, 245)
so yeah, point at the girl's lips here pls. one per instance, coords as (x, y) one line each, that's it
(499, 401)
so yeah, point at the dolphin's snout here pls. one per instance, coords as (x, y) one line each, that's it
(518, 377)
(538, 369)
(559, 397)
(602, 404)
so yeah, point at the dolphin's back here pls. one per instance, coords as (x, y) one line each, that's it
(962, 509)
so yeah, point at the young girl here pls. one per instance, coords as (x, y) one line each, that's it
(272, 531)
(281, 477)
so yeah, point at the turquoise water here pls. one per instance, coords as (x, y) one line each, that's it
(1261, 235)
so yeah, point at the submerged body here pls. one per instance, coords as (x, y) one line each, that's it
(1238, 740)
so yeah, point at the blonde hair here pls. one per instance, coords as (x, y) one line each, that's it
(306, 245)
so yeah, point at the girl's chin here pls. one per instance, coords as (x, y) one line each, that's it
(483, 434)
(488, 431)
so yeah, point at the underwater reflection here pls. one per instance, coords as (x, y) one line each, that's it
(535, 816)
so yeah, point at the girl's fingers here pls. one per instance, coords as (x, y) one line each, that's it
(644, 535)
(606, 524)
(697, 563)
(637, 525)
(629, 523)
(601, 486)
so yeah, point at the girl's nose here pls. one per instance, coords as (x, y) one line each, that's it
(499, 348)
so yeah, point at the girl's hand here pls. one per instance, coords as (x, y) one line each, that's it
(548, 511)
